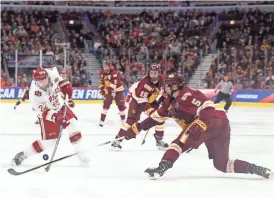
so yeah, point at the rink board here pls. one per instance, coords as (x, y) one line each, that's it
(221, 105)
(251, 98)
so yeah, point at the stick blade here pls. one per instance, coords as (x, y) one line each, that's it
(13, 172)
(143, 142)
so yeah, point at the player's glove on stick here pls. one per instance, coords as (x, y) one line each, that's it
(62, 120)
(104, 92)
(71, 103)
(149, 109)
(195, 129)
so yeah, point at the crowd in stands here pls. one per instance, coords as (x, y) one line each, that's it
(246, 53)
(30, 31)
(177, 40)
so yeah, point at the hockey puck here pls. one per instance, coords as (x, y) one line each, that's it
(45, 157)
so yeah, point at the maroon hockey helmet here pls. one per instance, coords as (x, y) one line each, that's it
(173, 83)
(154, 72)
(175, 78)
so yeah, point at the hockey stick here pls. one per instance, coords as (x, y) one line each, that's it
(59, 136)
(15, 173)
(144, 139)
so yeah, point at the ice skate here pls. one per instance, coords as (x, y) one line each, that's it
(161, 144)
(101, 124)
(83, 158)
(156, 173)
(115, 146)
(18, 159)
(259, 170)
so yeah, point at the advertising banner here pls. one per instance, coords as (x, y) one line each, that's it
(254, 96)
(30, 61)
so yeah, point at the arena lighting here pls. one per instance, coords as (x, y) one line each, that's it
(71, 22)
(232, 22)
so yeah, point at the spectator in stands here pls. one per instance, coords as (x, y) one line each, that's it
(269, 81)
(3, 79)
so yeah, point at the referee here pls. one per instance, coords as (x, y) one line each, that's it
(226, 90)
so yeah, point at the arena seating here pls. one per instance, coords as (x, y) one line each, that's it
(30, 31)
(176, 40)
(246, 52)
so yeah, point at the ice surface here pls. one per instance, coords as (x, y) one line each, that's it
(120, 174)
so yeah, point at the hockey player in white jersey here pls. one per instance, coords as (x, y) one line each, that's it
(47, 93)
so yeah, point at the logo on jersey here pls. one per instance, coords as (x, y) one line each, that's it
(38, 93)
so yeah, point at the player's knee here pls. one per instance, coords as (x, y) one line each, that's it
(176, 146)
(130, 121)
(122, 107)
(106, 105)
(178, 143)
(220, 165)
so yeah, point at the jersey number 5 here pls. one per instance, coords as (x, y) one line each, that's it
(194, 100)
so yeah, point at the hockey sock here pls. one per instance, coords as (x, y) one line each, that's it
(39, 146)
(104, 114)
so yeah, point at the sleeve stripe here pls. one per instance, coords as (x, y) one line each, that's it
(63, 83)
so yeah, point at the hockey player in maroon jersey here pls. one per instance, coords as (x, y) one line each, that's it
(112, 89)
(202, 123)
(25, 96)
(143, 97)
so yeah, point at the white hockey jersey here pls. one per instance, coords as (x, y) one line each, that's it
(50, 100)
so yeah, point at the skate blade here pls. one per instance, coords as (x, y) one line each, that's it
(84, 164)
(154, 177)
(162, 149)
(115, 149)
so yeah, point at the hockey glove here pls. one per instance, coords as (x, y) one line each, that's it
(107, 83)
(195, 129)
(149, 109)
(101, 86)
(104, 92)
(62, 120)
(67, 90)
(132, 132)
(71, 103)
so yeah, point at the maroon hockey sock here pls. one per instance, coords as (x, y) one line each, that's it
(123, 117)
(171, 155)
(121, 133)
(103, 117)
(240, 166)
(159, 135)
